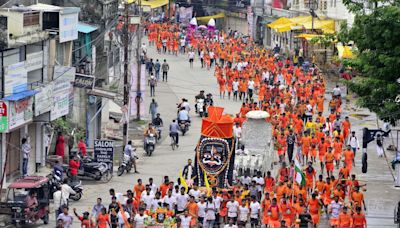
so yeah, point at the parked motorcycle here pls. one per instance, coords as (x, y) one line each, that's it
(55, 181)
(93, 169)
(77, 187)
(150, 144)
(126, 165)
(184, 126)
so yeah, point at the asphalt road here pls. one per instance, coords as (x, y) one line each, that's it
(184, 82)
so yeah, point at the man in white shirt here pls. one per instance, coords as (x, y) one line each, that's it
(235, 88)
(243, 216)
(139, 218)
(195, 192)
(354, 144)
(201, 213)
(250, 87)
(121, 220)
(254, 212)
(191, 58)
(217, 201)
(181, 201)
(185, 219)
(231, 224)
(260, 183)
(170, 200)
(183, 115)
(153, 187)
(66, 191)
(237, 131)
(245, 179)
(147, 198)
(233, 207)
(58, 201)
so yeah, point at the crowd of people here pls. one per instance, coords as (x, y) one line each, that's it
(311, 141)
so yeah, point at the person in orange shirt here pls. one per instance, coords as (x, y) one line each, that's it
(314, 209)
(103, 219)
(357, 198)
(287, 212)
(266, 203)
(322, 148)
(358, 219)
(274, 218)
(193, 209)
(344, 220)
(269, 183)
(320, 104)
(329, 158)
(344, 172)
(138, 189)
(348, 157)
(281, 145)
(337, 147)
(221, 83)
(242, 89)
(346, 126)
(310, 174)
(305, 147)
(229, 87)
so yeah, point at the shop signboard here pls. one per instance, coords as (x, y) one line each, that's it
(104, 151)
(34, 61)
(3, 116)
(15, 79)
(43, 100)
(84, 81)
(68, 26)
(63, 78)
(20, 113)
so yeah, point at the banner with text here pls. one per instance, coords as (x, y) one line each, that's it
(63, 78)
(104, 152)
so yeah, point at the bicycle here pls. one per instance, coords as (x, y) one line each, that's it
(173, 141)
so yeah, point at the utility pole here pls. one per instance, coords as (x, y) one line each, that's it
(138, 99)
(126, 82)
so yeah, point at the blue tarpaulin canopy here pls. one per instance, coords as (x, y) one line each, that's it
(20, 96)
(85, 28)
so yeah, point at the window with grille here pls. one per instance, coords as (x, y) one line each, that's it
(31, 18)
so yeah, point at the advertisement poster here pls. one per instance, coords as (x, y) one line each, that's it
(20, 113)
(185, 14)
(43, 100)
(104, 151)
(3, 117)
(68, 27)
(63, 78)
(34, 61)
(15, 79)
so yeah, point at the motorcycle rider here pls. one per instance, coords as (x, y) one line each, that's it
(174, 131)
(209, 101)
(199, 96)
(184, 104)
(130, 153)
(149, 130)
(183, 115)
(158, 123)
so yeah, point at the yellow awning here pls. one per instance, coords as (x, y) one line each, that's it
(284, 24)
(279, 21)
(327, 26)
(152, 3)
(207, 18)
(308, 36)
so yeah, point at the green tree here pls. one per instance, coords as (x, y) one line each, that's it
(376, 35)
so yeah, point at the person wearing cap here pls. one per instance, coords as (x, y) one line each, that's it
(86, 221)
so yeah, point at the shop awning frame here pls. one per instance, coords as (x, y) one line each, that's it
(20, 95)
(86, 28)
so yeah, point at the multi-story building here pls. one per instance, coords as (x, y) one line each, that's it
(36, 79)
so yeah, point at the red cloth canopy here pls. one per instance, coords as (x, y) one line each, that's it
(217, 125)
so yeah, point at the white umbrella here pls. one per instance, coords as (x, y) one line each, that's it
(193, 21)
(211, 22)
